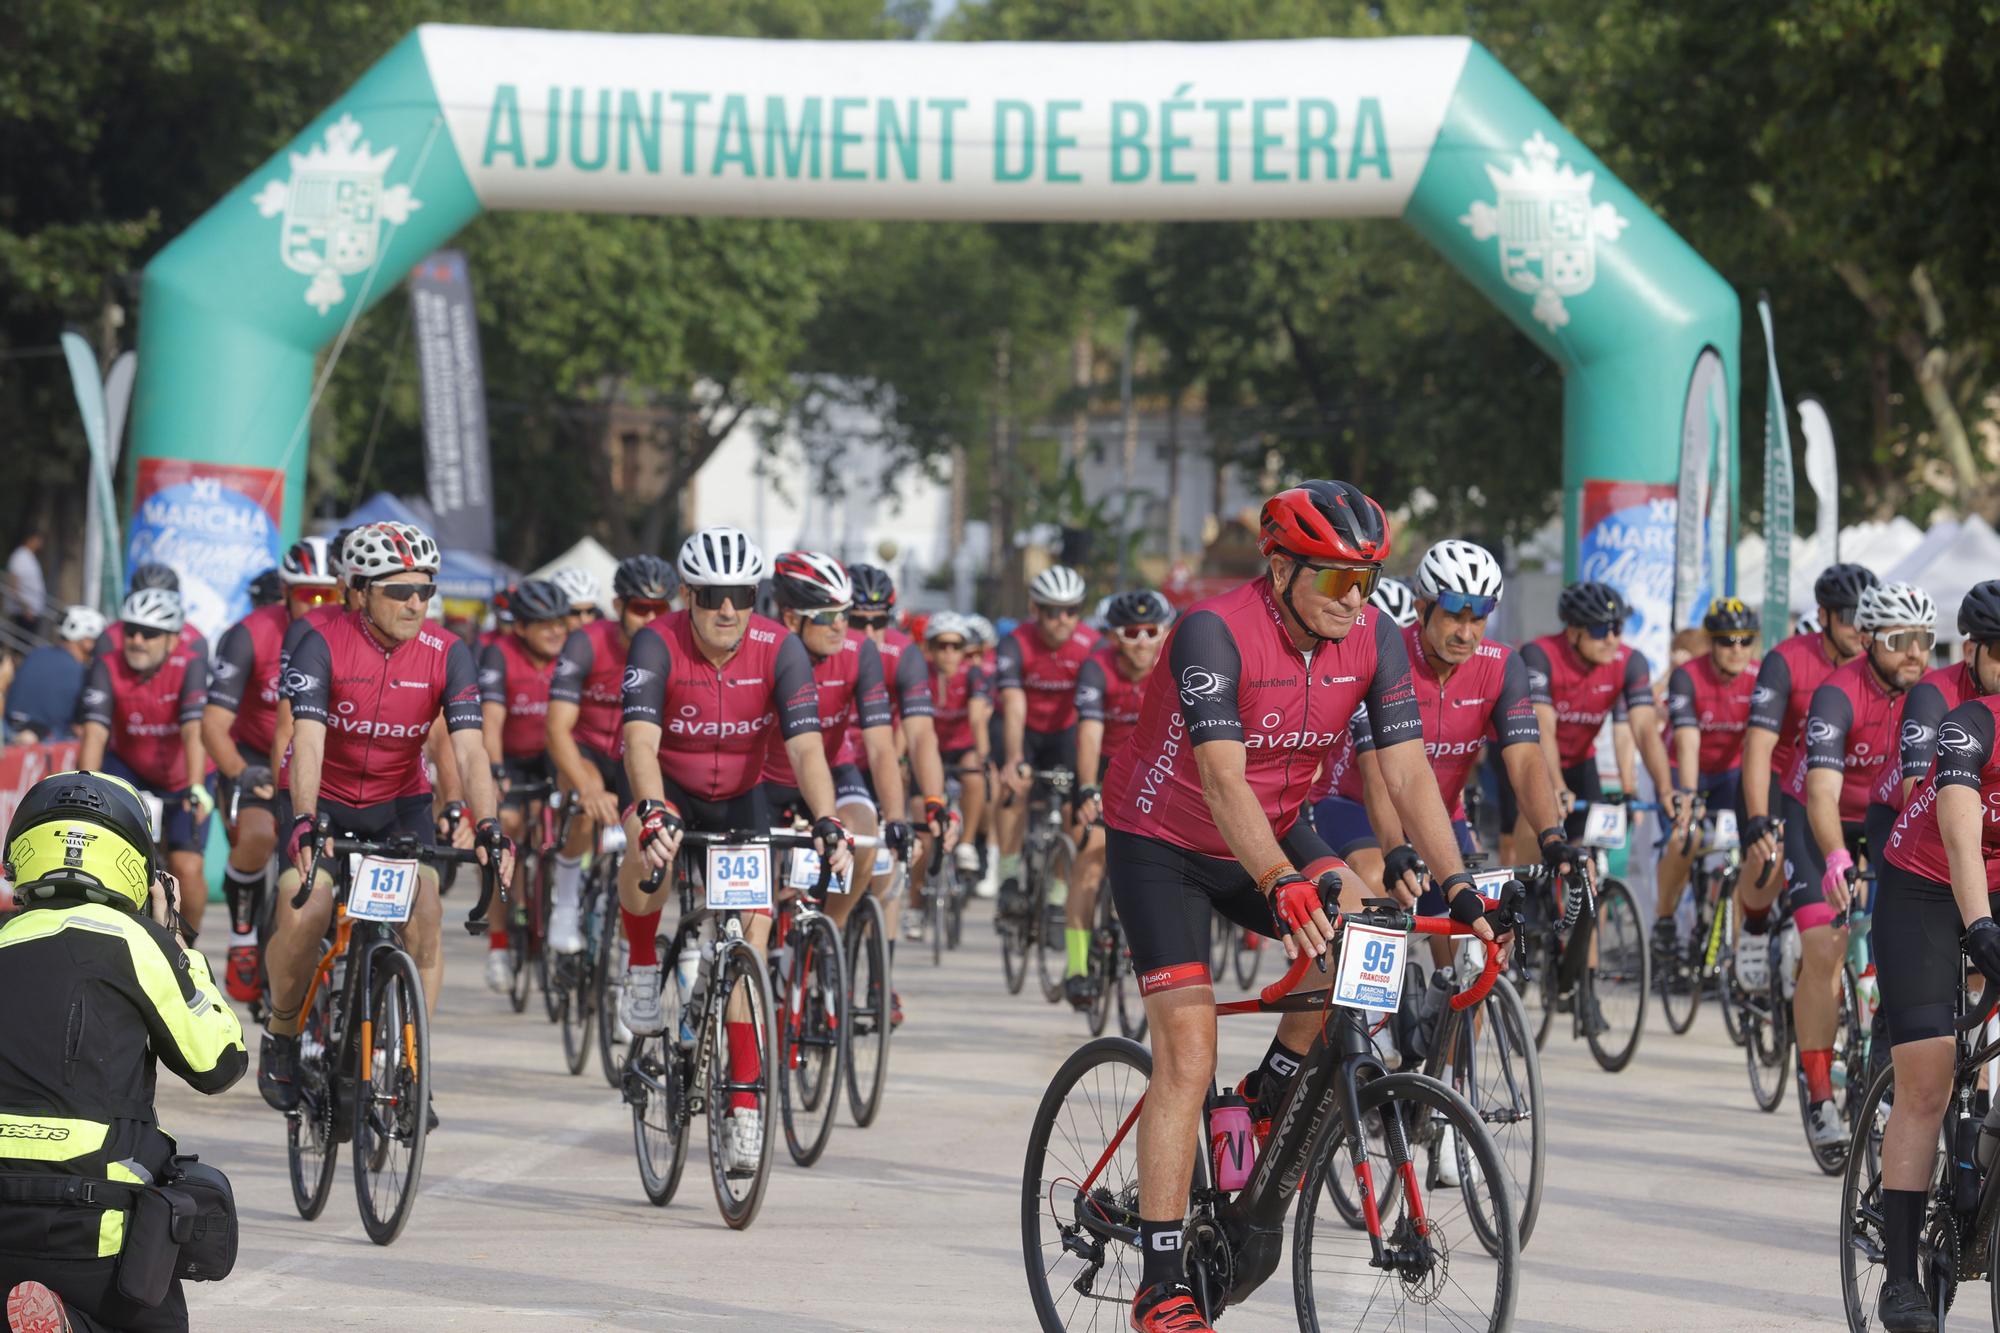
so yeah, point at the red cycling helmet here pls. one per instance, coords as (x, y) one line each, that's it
(1324, 520)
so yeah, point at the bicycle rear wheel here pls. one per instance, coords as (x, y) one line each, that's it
(812, 1036)
(1015, 942)
(741, 984)
(576, 976)
(1052, 888)
(1451, 1277)
(1862, 1241)
(393, 1084)
(868, 992)
(1618, 983)
(1766, 1019)
(544, 968)
(312, 1147)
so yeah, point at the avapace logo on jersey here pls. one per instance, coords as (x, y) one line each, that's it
(1161, 771)
(636, 678)
(137, 725)
(717, 729)
(1266, 736)
(368, 726)
(1762, 694)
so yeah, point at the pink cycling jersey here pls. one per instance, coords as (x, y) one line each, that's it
(1718, 706)
(511, 677)
(1583, 694)
(244, 676)
(852, 695)
(1232, 674)
(378, 703)
(1851, 726)
(1485, 698)
(589, 674)
(908, 680)
(1966, 757)
(319, 617)
(1046, 675)
(1785, 683)
(951, 705)
(111, 643)
(1104, 693)
(716, 721)
(144, 714)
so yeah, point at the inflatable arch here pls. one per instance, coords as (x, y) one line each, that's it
(453, 120)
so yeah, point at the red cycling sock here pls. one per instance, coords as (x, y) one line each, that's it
(642, 937)
(496, 932)
(743, 1063)
(1819, 1073)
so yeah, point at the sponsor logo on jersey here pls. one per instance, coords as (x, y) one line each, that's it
(1819, 731)
(1200, 685)
(224, 669)
(1917, 736)
(1956, 739)
(300, 682)
(636, 678)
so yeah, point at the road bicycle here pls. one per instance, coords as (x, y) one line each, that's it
(1701, 956)
(668, 1081)
(1959, 1240)
(1114, 983)
(364, 1063)
(809, 988)
(585, 983)
(1583, 952)
(871, 994)
(528, 911)
(1378, 1241)
(1048, 860)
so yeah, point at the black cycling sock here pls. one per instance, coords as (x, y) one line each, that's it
(1902, 1216)
(1160, 1250)
(1756, 923)
(1268, 1083)
(243, 889)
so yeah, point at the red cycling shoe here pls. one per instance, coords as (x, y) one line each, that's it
(240, 977)
(33, 1308)
(1168, 1308)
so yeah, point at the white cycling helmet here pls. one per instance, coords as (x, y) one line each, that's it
(1058, 585)
(1456, 566)
(810, 581)
(1888, 604)
(579, 585)
(1392, 598)
(153, 608)
(978, 629)
(79, 624)
(720, 557)
(388, 548)
(942, 623)
(307, 564)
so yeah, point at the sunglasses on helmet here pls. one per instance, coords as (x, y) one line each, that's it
(1337, 581)
(1458, 603)
(710, 597)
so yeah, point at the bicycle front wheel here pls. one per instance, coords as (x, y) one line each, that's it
(312, 1146)
(869, 998)
(612, 953)
(812, 1037)
(1247, 950)
(1765, 1018)
(1052, 889)
(1103, 963)
(1498, 1071)
(391, 1117)
(1617, 985)
(1678, 975)
(658, 1097)
(1444, 1275)
(739, 1084)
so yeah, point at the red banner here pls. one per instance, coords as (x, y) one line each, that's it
(21, 767)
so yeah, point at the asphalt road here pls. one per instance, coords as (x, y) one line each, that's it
(1671, 1202)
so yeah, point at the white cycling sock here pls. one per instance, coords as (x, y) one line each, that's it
(568, 879)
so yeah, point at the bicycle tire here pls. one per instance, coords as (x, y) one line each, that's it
(1767, 1040)
(954, 914)
(1507, 1097)
(521, 949)
(1725, 968)
(1058, 867)
(1220, 928)
(1103, 963)
(1831, 1159)
(578, 980)
(869, 991)
(738, 972)
(1860, 1232)
(312, 1143)
(612, 1035)
(1246, 956)
(396, 1106)
(1117, 1071)
(1619, 981)
(812, 1039)
(655, 1091)
(1679, 981)
(937, 893)
(1014, 947)
(1399, 1101)
(544, 898)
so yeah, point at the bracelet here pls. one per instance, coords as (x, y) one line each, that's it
(1271, 877)
(1462, 877)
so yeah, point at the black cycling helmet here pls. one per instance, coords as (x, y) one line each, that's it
(1730, 615)
(57, 842)
(537, 600)
(1140, 607)
(153, 574)
(874, 590)
(1590, 603)
(645, 578)
(1839, 587)
(267, 589)
(1979, 613)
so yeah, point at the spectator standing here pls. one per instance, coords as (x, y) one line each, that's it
(27, 592)
(41, 704)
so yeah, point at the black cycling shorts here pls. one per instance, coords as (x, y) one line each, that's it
(535, 770)
(1917, 959)
(1582, 779)
(1049, 749)
(1805, 864)
(409, 815)
(613, 773)
(180, 831)
(852, 785)
(1167, 896)
(960, 761)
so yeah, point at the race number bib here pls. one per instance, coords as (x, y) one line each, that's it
(1725, 835)
(739, 879)
(383, 888)
(805, 873)
(1488, 883)
(1371, 968)
(1604, 825)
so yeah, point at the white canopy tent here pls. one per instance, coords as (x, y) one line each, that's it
(1961, 555)
(590, 556)
(1880, 546)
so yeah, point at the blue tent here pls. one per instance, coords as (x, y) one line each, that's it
(466, 574)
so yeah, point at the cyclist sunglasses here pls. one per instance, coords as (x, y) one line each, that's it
(1058, 612)
(314, 596)
(831, 615)
(646, 606)
(868, 619)
(710, 597)
(1458, 603)
(1139, 633)
(948, 645)
(143, 633)
(403, 592)
(1604, 631)
(1908, 640)
(1734, 640)
(1337, 581)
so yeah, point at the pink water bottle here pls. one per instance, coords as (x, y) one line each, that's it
(1232, 1145)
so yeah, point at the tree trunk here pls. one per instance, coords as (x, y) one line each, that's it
(1173, 478)
(1082, 358)
(1000, 500)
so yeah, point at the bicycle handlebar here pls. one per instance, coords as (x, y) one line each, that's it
(403, 847)
(773, 838)
(1396, 919)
